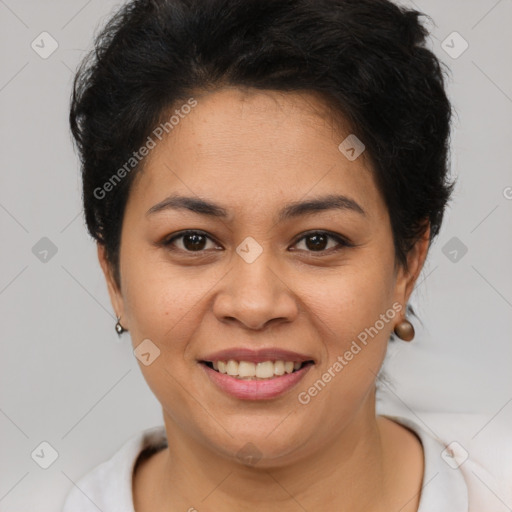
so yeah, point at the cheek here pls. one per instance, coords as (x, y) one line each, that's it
(353, 299)
(353, 311)
(163, 303)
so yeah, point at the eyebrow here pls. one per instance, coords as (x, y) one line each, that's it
(290, 210)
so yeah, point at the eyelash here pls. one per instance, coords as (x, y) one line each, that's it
(342, 242)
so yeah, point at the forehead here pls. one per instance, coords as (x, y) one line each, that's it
(252, 149)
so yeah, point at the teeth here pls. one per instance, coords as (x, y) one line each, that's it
(265, 370)
(279, 368)
(246, 369)
(232, 367)
(250, 371)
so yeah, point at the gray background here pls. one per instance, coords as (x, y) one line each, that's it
(64, 376)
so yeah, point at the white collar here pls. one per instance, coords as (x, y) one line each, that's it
(443, 490)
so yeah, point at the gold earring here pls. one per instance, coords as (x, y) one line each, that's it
(404, 330)
(119, 328)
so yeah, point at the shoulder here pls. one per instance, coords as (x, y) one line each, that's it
(108, 486)
(481, 445)
(476, 445)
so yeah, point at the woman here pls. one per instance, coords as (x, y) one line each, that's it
(264, 180)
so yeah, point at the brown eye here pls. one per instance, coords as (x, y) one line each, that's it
(197, 241)
(194, 242)
(318, 241)
(191, 241)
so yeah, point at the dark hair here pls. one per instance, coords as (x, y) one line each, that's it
(366, 58)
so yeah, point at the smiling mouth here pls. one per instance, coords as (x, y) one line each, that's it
(265, 370)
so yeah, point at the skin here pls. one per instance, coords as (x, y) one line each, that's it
(252, 152)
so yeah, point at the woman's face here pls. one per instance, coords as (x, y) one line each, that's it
(260, 281)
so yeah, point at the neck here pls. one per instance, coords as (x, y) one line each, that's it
(347, 472)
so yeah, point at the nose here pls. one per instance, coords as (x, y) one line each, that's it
(255, 294)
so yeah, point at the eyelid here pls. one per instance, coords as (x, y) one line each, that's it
(168, 240)
(340, 239)
(336, 236)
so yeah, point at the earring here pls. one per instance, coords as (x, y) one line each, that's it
(404, 330)
(119, 328)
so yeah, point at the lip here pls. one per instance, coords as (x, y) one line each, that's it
(265, 389)
(256, 356)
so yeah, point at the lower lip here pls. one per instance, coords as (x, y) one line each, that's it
(255, 389)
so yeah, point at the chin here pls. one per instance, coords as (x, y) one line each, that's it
(264, 444)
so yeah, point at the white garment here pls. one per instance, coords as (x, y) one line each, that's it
(481, 483)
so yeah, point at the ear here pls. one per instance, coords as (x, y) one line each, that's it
(116, 297)
(406, 278)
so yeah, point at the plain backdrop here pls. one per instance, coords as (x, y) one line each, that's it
(66, 380)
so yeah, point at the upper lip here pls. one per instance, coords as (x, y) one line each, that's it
(256, 356)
